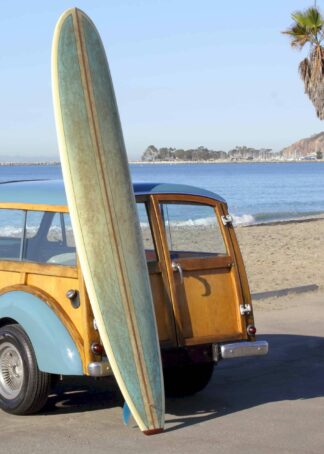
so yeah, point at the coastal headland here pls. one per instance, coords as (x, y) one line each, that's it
(310, 149)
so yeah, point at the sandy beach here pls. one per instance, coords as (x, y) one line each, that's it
(283, 256)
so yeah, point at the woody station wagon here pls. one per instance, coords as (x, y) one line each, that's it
(199, 285)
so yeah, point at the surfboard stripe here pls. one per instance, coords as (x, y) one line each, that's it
(138, 316)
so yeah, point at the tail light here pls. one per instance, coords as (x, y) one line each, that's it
(97, 349)
(251, 330)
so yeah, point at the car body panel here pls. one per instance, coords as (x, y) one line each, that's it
(54, 347)
(51, 192)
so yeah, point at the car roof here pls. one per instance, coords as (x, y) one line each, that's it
(51, 192)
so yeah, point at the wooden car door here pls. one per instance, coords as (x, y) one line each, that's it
(205, 287)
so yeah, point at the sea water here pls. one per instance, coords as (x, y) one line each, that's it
(255, 192)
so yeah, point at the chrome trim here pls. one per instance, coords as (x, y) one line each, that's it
(216, 353)
(177, 267)
(245, 309)
(227, 220)
(239, 349)
(99, 369)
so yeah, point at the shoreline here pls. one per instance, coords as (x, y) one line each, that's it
(26, 164)
(227, 161)
(218, 161)
(293, 220)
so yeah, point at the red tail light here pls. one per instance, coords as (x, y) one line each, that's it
(251, 330)
(97, 349)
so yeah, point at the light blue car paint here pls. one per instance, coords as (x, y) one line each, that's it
(55, 349)
(51, 192)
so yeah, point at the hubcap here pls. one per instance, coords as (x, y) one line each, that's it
(11, 371)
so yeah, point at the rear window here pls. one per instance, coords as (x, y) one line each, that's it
(192, 230)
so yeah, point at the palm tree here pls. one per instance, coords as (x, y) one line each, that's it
(308, 28)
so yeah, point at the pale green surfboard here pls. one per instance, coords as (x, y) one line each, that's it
(104, 216)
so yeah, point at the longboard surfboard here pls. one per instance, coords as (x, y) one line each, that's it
(104, 216)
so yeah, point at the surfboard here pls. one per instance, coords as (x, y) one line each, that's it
(104, 216)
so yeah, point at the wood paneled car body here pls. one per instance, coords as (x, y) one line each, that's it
(199, 286)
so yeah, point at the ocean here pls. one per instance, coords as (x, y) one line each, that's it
(255, 192)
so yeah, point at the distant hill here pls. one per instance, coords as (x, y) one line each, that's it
(305, 147)
(308, 148)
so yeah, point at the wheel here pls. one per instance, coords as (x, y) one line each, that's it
(23, 387)
(186, 380)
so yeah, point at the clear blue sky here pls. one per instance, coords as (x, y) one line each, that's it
(186, 73)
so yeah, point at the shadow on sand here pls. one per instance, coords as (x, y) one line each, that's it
(293, 370)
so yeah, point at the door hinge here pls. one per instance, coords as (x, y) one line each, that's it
(245, 309)
(227, 220)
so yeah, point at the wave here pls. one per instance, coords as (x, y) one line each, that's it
(54, 233)
(11, 231)
(200, 222)
(244, 219)
(278, 216)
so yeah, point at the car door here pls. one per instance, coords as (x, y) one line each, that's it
(204, 284)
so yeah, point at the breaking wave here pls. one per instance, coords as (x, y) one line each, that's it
(244, 219)
(200, 222)
(279, 216)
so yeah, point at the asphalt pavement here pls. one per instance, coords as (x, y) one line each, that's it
(252, 405)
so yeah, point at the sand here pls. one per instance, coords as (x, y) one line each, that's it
(284, 256)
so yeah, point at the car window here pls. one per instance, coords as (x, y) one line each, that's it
(11, 234)
(33, 221)
(147, 236)
(52, 240)
(37, 236)
(192, 230)
(56, 229)
(69, 237)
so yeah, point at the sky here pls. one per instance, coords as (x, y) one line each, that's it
(186, 73)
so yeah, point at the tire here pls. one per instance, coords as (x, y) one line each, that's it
(23, 387)
(187, 380)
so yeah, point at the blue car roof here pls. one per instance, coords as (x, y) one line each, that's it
(51, 192)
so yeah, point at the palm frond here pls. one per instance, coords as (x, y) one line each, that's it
(310, 18)
(299, 35)
(308, 27)
(313, 18)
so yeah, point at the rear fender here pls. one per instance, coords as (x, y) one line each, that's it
(54, 347)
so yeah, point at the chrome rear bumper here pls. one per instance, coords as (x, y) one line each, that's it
(99, 369)
(239, 349)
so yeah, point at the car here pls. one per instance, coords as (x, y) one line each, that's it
(199, 285)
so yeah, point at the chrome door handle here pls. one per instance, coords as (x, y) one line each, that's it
(177, 267)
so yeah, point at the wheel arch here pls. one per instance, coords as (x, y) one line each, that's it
(56, 351)
(7, 321)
